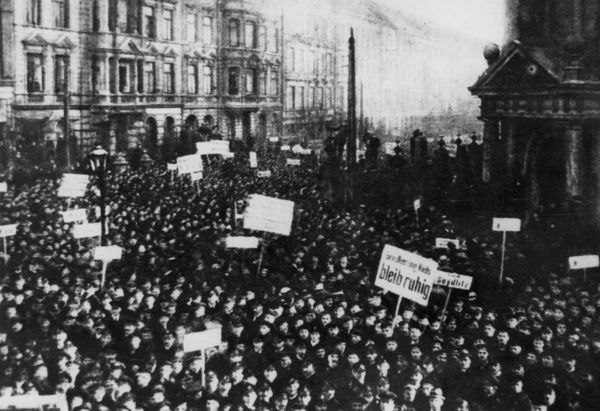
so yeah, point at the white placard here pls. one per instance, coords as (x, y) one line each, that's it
(228, 155)
(285, 147)
(3, 187)
(506, 224)
(76, 215)
(389, 148)
(8, 230)
(87, 230)
(189, 164)
(452, 280)
(293, 161)
(219, 146)
(297, 149)
(108, 253)
(73, 185)
(202, 340)
(273, 139)
(253, 160)
(241, 242)
(417, 204)
(29, 402)
(196, 176)
(452, 149)
(443, 243)
(263, 174)
(171, 166)
(269, 214)
(583, 261)
(203, 148)
(406, 274)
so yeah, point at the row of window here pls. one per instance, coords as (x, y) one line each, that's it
(255, 37)
(36, 73)
(60, 13)
(300, 60)
(253, 81)
(299, 97)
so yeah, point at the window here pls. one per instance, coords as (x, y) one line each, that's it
(190, 27)
(169, 78)
(95, 16)
(140, 76)
(112, 15)
(274, 40)
(149, 23)
(291, 98)
(126, 76)
(208, 80)
(292, 59)
(329, 64)
(97, 82)
(251, 81)
(35, 73)
(61, 13)
(274, 83)
(311, 62)
(234, 86)
(122, 12)
(150, 77)
(61, 74)
(312, 96)
(319, 97)
(262, 83)
(168, 24)
(300, 98)
(234, 33)
(34, 12)
(262, 38)
(192, 78)
(207, 31)
(250, 35)
(112, 66)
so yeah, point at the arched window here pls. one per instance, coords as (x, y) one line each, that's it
(234, 33)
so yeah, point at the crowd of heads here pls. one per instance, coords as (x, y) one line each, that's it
(303, 326)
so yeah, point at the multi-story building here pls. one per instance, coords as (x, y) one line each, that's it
(139, 72)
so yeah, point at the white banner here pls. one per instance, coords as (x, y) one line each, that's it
(77, 215)
(108, 253)
(443, 243)
(189, 164)
(406, 274)
(8, 230)
(583, 261)
(202, 340)
(73, 185)
(293, 162)
(506, 224)
(87, 230)
(241, 242)
(452, 280)
(196, 176)
(262, 174)
(269, 214)
(34, 402)
(3, 187)
(253, 160)
(171, 167)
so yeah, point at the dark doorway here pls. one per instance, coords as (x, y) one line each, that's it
(151, 135)
(262, 126)
(246, 123)
(122, 134)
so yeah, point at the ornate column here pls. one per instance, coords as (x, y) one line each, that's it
(595, 156)
(575, 158)
(490, 142)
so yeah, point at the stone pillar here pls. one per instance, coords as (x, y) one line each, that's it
(575, 160)
(595, 156)
(509, 128)
(490, 141)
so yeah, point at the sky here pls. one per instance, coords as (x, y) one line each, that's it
(483, 19)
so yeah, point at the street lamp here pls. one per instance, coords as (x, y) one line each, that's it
(120, 164)
(145, 160)
(97, 162)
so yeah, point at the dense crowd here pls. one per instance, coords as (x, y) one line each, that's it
(306, 331)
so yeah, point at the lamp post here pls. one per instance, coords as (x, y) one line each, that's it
(97, 162)
(145, 160)
(120, 164)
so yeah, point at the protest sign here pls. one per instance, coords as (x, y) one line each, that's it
(8, 230)
(219, 146)
(285, 147)
(452, 280)
(34, 402)
(108, 253)
(406, 274)
(77, 215)
(171, 167)
(73, 185)
(189, 164)
(228, 155)
(506, 224)
(202, 340)
(262, 174)
(196, 176)
(293, 162)
(87, 230)
(581, 262)
(451, 148)
(204, 148)
(3, 187)
(273, 139)
(389, 148)
(269, 214)
(241, 242)
(253, 160)
(443, 243)
(417, 204)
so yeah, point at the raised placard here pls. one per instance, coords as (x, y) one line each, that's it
(73, 185)
(34, 402)
(202, 340)
(108, 253)
(443, 243)
(293, 162)
(87, 230)
(452, 280)
(581, 262)
(263, 174)
(8, 230)
(253, 160)
(77, 215)
(189, 164)
(196, 176)
(269, 214)
(241, 242)
(506, 224)
(3, 187)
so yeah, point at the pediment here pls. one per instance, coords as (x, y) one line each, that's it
(169, 52)
(517, 70)
(65, 43)
(129, 47)
(35, 40)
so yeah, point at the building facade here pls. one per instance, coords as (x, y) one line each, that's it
(540, 105)
(138, 73)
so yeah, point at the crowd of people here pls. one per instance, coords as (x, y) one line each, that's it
(303, 326)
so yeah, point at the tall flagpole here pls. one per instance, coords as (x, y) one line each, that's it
(351, 136)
